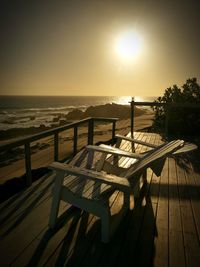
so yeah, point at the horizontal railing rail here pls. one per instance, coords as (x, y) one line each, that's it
(26, 141)
(177, 104)
(34, 137)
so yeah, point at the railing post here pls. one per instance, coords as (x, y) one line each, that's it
(56, 146)
(113, 132)
(90, 131)
(28, 164)
(166, 119)
(75, 140)
(132, 117)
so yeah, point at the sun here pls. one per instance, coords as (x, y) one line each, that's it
(128, 45)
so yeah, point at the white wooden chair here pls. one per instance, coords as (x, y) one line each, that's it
(87, 189)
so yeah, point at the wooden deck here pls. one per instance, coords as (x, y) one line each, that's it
(162, 230)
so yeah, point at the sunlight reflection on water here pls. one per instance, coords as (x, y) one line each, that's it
(125, 100)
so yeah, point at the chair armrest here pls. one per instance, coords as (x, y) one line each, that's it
(114, 151)
(187, 147)
(119, 182)
(136, 141)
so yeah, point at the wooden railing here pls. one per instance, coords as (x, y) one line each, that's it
(156, 104)
(26, 142)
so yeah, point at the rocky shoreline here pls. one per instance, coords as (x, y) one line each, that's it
(108, 110)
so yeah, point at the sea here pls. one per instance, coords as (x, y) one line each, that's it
(36, 111)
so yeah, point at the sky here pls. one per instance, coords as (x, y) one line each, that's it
(69, 47)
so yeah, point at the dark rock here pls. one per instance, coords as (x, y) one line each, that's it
(75, 115)
(108, 110)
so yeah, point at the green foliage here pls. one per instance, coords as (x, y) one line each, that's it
(181, 120)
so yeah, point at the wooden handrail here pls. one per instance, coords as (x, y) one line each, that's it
(177, 104)
(157, 104)
(26, 141)
(34, 137)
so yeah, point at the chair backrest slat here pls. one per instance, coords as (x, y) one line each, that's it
(154, 156)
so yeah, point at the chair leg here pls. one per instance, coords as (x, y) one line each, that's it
(105, 226)
(126, 200)
(144, 177)
(56, 199)
(137, 189)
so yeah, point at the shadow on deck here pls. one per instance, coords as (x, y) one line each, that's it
(163, 229)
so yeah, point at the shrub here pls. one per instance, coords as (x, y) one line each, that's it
(181, 120)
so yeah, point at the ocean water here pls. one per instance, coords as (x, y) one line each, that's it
(36, 111)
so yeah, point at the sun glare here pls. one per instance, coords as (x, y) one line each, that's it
(128, 46)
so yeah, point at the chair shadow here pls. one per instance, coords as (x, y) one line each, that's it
(128, 244)
(82, 242)
(18, 219)
(71, 237)
(11, 189)
(72, 214)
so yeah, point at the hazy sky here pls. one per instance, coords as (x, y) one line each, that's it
(67, 47)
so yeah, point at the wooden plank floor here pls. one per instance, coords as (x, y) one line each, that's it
(163, 229)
